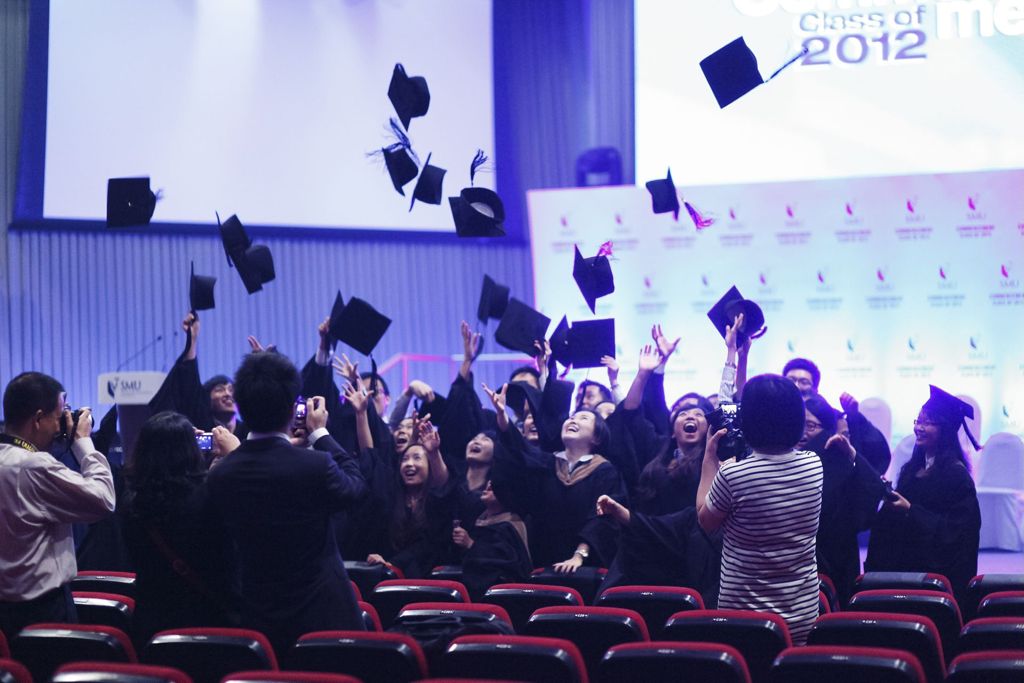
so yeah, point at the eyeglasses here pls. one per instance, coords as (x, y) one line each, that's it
(801, 381)
(812, 426)
(925, 423)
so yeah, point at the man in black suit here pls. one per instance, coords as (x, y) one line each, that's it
(276, 500)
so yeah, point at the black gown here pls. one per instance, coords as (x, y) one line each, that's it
(498, 555)
(182, 392)
(940, 532)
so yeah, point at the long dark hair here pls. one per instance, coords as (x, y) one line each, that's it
(949, 451)
(165, 467)
(665, 465)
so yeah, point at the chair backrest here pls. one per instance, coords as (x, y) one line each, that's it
(521, 600)
(13, 672)
(391, 595)
(1002, 604)
(824, 606)
(585, 580)
(983, 584)
(843, 664)
(371, 620)
(1001, 463)
(122, 583)
(593, 629)
(466, 613)
(44, 647)
(287, 677)
(927, 581)
(355, 589)
(447, 572)
(663, 661)
(879, 414)
(209, 654)
(900, 457)
(987, 666)
(5, 650)
(911, 632)
(366, 575)
(654, 603)
(108, 672)
(371, 657)
(108, 609)
(992, 633)
(519, 658)
(759, 636)
(828, 587)
(599, 166)
(941, 608)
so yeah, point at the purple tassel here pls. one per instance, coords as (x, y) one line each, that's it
(698, 220)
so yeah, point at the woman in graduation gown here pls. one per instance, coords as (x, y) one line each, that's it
(931, 522)
(560, 490)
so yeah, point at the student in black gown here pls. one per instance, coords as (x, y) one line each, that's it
(851, 491)
(559, 490)
(932, 523)
(184, 565)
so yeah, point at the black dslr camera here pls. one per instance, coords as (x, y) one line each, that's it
(727, 417)
(64, 434)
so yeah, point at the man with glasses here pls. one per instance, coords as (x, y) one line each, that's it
(41, 498)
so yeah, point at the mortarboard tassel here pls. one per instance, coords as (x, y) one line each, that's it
(699, 220)
(970, 437)
(479, 159)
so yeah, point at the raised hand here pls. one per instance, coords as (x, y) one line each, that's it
(422, 390)
(190, 325)
(470, 342)
(426, 435)
(499, 402)
(357, 397)
(732, 331)
(543, 354)
(256, 347)
(613, 369)
(850, 405)
(324, 330)
(609, 507)
(649, 358)
(843, 445)
(665, 347)
(347, 370)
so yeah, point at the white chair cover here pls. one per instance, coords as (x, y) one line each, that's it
(1000, 478)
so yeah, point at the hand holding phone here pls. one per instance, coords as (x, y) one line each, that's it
(205, 441)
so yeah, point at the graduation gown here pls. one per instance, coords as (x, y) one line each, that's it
(498, 554)
(940, 532)
(182, 392)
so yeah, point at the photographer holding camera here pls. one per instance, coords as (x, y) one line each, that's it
(42, 498)
(768, 503)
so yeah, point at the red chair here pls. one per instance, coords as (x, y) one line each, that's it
(355, 589)
(824, 606)
(91, 672)
(839, 664)
(209, 654)
(940, 608)
(667, 662)
(121, 583)
(987, 666)
(471, 613)
(585, 580)
(926, 581)
(521, 600)
(5, 651)
(447, 572)
(13, 672)
(366, 575)
(371, 657)
(371, 620)
(390, 596)
(910, 632)
(828, 587)
(654, 603)
(984, 584)
(518, 658)
(759, 636)
(1002, 604)
(287, 677)
(44, 647)
(107, 609)
(992, 633)
(593, 629)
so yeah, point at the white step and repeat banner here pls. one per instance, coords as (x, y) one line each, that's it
(887, 283)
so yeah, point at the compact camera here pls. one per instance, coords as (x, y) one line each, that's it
(727, 417)
(205, 441)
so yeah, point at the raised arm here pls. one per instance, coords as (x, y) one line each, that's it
(470, 346)
(427, 436)
(649, 360)
(710, 518)
(358, 398)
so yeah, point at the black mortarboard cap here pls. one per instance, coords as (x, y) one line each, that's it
(559, 342)
(233, 237)
(520, 395)
(493, 300)
(428, 186)
(594, 277)
(663, 195)
(409, 95)
(200, 291)
(726, 309)
(401, 166)
(256, 266)
(591, 340)
(520, 327)
(478, 212)
(360, 325)
(334, 322)
(129, 202)
(731, 71)
(945, 407)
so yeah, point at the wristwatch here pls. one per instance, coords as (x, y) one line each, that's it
(582, 553)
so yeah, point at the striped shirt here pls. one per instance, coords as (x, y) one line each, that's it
(772, 503)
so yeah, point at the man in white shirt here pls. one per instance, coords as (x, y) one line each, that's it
(39, 500)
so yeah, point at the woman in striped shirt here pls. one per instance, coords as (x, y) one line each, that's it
(768, 504)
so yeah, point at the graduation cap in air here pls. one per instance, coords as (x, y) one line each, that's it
(945, 407)
(409, 95)
(254, 262)
(520, 327)
(493, 300)
(478, 212)
(129, 202)
(587, 342)
(726, 309)
(200, 290)
(334, 322)
(401, 166)
(663, 195)
(594, 277)
(732, 71)
(428, 186)
(357, 324)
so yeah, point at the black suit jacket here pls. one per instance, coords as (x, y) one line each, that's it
(276, 501)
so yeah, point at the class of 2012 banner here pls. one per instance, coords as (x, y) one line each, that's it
(888, 283)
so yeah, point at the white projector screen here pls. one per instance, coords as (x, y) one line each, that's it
(888, 87)
(264, 108)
